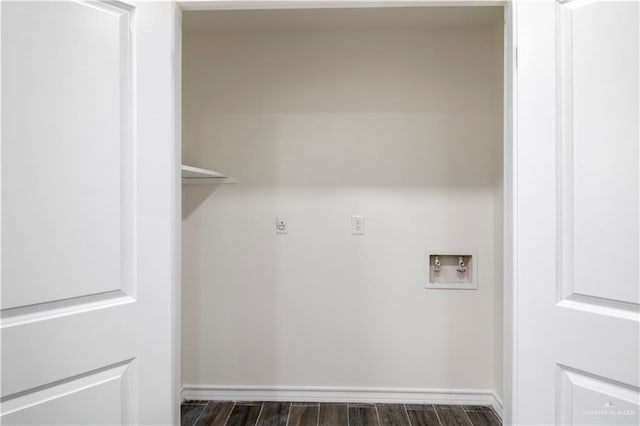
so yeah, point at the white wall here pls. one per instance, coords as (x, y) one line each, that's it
(402, 125)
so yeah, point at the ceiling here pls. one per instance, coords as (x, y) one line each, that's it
(347, 18)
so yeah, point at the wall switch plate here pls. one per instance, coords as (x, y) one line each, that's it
(357, 225)
(281, 225)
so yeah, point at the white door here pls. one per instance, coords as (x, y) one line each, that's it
(88, 187)
(577, 356)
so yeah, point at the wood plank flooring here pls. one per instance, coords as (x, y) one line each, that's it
(248, 413)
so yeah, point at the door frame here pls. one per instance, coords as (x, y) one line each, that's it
(510, 283)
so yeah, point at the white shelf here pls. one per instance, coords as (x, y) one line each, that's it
(196, 175)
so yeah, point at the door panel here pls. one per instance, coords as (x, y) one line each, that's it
(592, 400)
(88, 188)
(600, 71)
(67, 221)
(95, 398)
(577, 191)
(32, 346)
(67, 213)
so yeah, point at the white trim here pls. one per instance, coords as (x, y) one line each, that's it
(342, 394)
(320, 4)
(327, 394)
(496, 404)
(176, 233)
(510, 221)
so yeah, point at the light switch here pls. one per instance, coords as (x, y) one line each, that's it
(357, 225)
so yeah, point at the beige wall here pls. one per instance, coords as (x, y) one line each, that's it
(401, 125)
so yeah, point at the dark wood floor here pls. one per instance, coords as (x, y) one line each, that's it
(238, 413)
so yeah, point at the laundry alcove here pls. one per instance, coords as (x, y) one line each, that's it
(392, 114)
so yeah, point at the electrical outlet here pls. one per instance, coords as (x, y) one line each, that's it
(357, 225)
(281, 225)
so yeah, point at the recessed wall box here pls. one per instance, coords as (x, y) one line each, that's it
(452, 269)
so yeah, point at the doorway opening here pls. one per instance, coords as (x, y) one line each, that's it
(298, 123)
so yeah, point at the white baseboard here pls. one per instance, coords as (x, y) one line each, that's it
(337, 394)
(497, 406)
